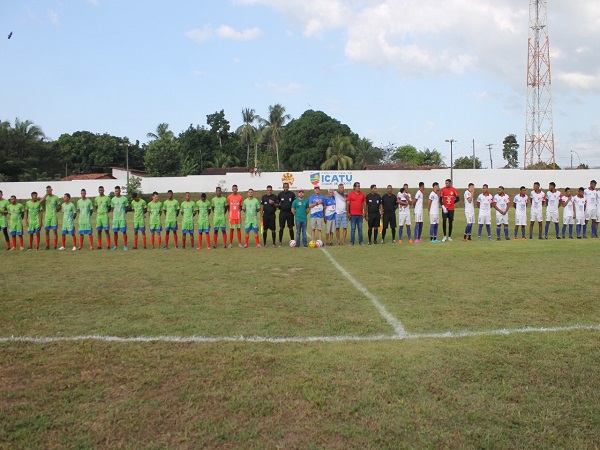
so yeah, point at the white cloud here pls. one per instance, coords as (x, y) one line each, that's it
(579, 80)
(54, 17)
(228, 32)
(200, 35)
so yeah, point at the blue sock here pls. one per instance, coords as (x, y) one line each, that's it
(523, 231)
(584, 229)
(408, 232)
(570, 231)
(479, 231)
(506, 232)
(547, 226)
(579, 230)
(431, 228)
(516, 232)
(556, 229)
(564, 230)
(435, 229)
(498, 232)
(488, 228)
(420, 229)
(400, 229)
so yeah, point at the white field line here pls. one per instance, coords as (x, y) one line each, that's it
(302, 340)
(394, 323)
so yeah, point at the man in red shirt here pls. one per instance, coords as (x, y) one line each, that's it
(448, 196)
(234, 204)
(356, 204)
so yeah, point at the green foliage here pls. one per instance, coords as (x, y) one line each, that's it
(409, 155)
(273, 128)
(541, 165)
(510, 151)
(163, 158)
(466, 162)
(433, 158)
(219, 126)
(247, 131)
(339, 153)
(366, 154)
(134, 186)
(196, 148)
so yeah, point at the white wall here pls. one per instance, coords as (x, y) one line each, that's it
(208, 183)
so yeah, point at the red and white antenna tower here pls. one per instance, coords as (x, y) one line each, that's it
(539, 133)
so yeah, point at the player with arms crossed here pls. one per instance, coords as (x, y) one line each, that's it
(15, 214)
(568, 212)
(485, 200)
(85, 207)
(203, 208)
(404, 202)
(251, 208)
(234, 205)
(119, 206)
(537, 202)
(33, 212)
(102, 203)
(188, 211)
(139, 207)
(68, 224)
(501, 205)
(154, 211)
(520, 203)
(553, 201)
(591, 209)
(286, 216)
(579, 206)
(418, 210)
(268, 209)
(449, 196)
(434, 212)
(171, 210)
(52, 207)
(469, 211)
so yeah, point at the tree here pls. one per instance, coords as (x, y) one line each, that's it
(274, 127)
(366, 154)
(162, 158)
(219, 126)
(196, 148)
(540, 165)
(510, 151)
(247, 131)
(433, 158)
(409, 155)
(162, 132)
(466, 162)
(338, 153)
(221, 161)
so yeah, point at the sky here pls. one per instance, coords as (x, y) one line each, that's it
(416, 72)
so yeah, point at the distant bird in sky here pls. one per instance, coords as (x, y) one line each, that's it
(10, 35)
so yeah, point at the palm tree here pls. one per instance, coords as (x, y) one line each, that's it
(366, 154)
(338, 153)
(247, 131)
(221, 160)
(162, 132)
(274, 125)
(28, 129)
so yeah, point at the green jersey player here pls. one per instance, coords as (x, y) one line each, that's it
(119, 206)
(219, 209)
(251, 207)
(15, 215)
(171, 210)
(85, 207)
(203, 207)
(102, 203)
(188, 211)
(139, 219)
(68, 224)
(154, 211)
(3, 216)
(33, 213)
(52, 207)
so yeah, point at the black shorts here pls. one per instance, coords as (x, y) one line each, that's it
(374, 221)
(389, 220)
(286, 217)
(269, 221)
(448, 215)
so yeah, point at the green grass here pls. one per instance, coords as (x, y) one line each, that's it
(517, 391)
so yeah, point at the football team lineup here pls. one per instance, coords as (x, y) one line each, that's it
(332, 215)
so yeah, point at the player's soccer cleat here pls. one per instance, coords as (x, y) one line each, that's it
(21, 248)
(47, 247)
(99, 248)
(245, 246)
(557, 237)
(516, 238)
(508, 239)
(259, 246)
(61, 248)
(490, 238)
(29, 249)
(479, 238)
(444, 239)
(524, 238)
(91, 248)
(449, 238)
(199, 248)
(125, 248)
(79, 248)
(114, 248)
(399, 241)
(497, 238)
(74, 249)
(240, 246)
(410, 241)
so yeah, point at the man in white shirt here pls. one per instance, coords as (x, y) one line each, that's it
(579, 207)
(520, 203)
(591, 209)
(567, 202)
(404, 202)
(341, 217)
(553, 202)
(537, 202)
(469, 211)
(485, 200)
(434, 212)
(502, 205)
(418, 211)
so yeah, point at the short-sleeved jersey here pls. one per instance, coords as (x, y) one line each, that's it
(251, 206)
(203, 208)
(69, 212)
(171, 208)
(553, 199)
(579, 203)
(520, 203)
(568, 202)
(485, 203)
(373, 203)
(469, 206)
(299, 205)
(154, 210)
(435, 202)
(356, 200)
(267, 207)
(119, 207)
(15, 212)
(537, 200)
(234, 201)
(34, 210)
(591, 198)
(187, 210)
(52, 202)
(285, 200)
(3, 207)
(403, 197)
(218, 206)
(340, 202)
(329, 208)
(502, 201)
(316, 212)
(419, 202)
(84, 209)
(448, 196)
(102, 205)
(139, 209)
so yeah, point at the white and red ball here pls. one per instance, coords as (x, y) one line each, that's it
(292, 243)
(319, 243)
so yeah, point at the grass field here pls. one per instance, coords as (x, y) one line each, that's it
(284, 351)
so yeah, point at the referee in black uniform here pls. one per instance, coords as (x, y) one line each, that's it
(286, 216)
(268, 206)
(373, 213)
(390, 205)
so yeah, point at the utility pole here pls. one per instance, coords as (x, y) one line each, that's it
(452, 141)
(489, 146)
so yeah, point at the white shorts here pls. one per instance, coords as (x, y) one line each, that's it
(501, 219)
(536, 215)
(404, 219)
(484, 219)
(418, 216)
(330, 226)
(580, 220)
(434, 219)
(470, 217)
(552, 216)
(520, 220)
(591, 214)
(568, 220)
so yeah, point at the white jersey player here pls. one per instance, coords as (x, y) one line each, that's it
(502, 205)
(579, 206)
(434, 212)
(418, 210)
(591, 209)
(537, 202)
(520, 203)
(485, 200)
(469, 211)
(553, 201)
(566, 202)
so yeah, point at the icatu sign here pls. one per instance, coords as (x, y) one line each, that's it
(330, 179)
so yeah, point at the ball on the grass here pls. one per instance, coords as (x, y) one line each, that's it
(319, 243)
(292, 243)
(312, 244)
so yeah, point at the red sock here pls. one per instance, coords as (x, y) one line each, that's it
(239, 235)
(116, 238)
(152, 239)
(74, 241)
(208, 240)
(55, 242)
(159, 239)
(107, 241)
(215, 236)
(37, 241)
(256, 240)
(47, 242)
(91, 241)
(175, 239)
(99, 242)
(231, 235)
(30, 240)
(166, 240)
(124, 239)
(81, 241)
(144, 240)
(246, 240)
(14, 241)
(135, 241)
(199, 240)
(64, 240)
(224, 239)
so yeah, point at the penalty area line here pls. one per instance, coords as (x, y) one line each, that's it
(301, 340)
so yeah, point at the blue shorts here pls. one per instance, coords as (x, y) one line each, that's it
(167, 229)
(71, 232)
(249, 229)
(341, 220)
(16, 233)
(155, 230)
(84, 232)
(121, 229)
(35, 231)
(142, 229)
(52, 227)
(187, 231)
(102, 228)
(203, 230)
(223, 229)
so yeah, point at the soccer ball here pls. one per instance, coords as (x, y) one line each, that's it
(319, 243)
(292, 243)
(312, 244)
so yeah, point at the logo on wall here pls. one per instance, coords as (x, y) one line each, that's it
(287, 178)
(315, 177)
(331, 179)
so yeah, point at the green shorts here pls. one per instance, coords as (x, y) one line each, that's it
(16, 227)
(203, 226)
(119, 225)
(102, 223)
(33, 227)
(85, 228)
(139, 225)
(50, 222)
(171, 225)
(187, 225)
(219, 222)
